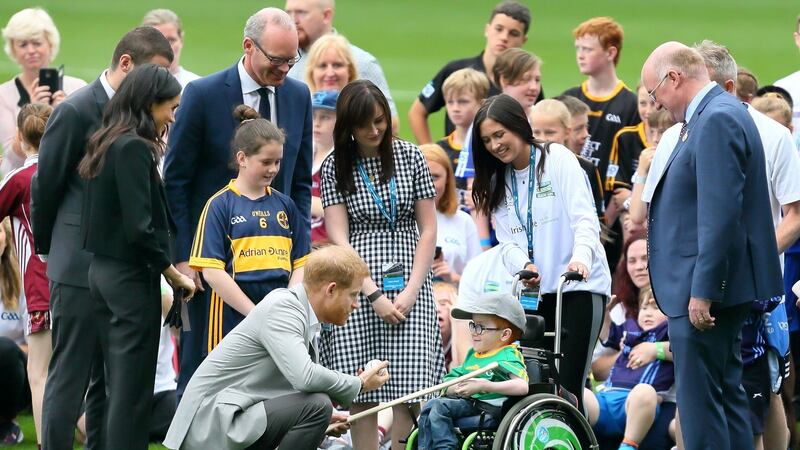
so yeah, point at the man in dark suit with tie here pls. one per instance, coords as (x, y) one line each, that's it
(197, 163)
(57, 193)
(712, 248)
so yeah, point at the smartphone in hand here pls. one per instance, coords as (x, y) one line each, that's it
(52, 78)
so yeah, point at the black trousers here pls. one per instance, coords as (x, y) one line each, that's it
(75, 365)
(164, 405)
(128, 312)
(13, 381)
(582, 317)
(295, 421)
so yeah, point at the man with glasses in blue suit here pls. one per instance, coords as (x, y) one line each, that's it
(712, 247)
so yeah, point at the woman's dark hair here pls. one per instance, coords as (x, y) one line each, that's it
(355, 108)
(627, 293)
(253, 132)
(488, 188)
(129, 111)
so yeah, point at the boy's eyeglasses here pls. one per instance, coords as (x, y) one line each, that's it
(478, 329)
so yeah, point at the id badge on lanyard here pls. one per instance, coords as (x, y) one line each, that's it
(529, 298)
(393, 273)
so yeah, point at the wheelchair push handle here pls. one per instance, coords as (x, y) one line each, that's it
(522, 275)
(572, 276)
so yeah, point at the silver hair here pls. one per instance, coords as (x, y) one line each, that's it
(257, 23)
(718, 59)
(687, 61)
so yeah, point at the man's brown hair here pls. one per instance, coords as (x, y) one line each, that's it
(334, 263)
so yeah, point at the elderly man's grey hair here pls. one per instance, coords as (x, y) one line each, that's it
(258, 22)
(718, 59)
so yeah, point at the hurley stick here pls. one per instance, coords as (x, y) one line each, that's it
(419, 393)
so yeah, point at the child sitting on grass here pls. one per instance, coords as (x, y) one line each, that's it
(497, 320)
(643, 375)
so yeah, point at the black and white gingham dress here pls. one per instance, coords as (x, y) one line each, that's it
(414, 347)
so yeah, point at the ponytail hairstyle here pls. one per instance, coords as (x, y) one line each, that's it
(488, 187)
(129, 111)
(253, 133)
(31, 122)
(10, 284)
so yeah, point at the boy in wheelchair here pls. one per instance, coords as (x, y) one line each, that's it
(643, 375)
(497, 320)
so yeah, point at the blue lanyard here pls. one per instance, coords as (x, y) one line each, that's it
(527, 225)
(391, 218)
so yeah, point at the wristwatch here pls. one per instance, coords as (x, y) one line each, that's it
(637, 179)
(374, 296)
(626, 205)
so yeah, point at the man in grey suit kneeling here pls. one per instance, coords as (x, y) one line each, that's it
(261, 386)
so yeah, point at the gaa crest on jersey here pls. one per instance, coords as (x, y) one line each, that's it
(283, 220)
(428, 90)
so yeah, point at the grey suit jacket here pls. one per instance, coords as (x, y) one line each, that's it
(265, 356)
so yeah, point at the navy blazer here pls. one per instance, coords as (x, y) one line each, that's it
(711, 234)
(197, 163)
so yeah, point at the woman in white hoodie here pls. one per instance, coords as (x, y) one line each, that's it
(546, 221)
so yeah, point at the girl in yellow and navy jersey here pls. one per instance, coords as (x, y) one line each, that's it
(249, 240)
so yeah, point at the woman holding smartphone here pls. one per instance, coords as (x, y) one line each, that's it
(31, 41)
(546, 221)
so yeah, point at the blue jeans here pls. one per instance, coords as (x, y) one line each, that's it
(436, 429)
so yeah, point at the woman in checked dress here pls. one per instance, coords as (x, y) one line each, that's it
(379, 198)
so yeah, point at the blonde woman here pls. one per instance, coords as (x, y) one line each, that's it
(330, 64)
(32, 42)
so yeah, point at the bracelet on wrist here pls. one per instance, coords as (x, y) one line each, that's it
(638, 179)
(374, 296)
(486, 242)
(661, 354)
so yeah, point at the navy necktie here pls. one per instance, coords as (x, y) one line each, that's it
(263, 107)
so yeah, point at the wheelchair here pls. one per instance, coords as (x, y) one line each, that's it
(546, 418)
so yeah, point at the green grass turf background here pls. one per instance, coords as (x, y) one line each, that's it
(413, 39)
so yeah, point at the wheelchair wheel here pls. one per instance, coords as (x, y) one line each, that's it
(544, 421)
(411, 441)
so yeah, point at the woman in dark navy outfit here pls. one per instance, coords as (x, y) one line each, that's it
(127, 227)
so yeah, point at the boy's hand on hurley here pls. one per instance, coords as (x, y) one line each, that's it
(468, 388)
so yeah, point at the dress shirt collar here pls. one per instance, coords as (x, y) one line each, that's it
(249, 85)
(106, 85)
(313, 322)
(697, 99)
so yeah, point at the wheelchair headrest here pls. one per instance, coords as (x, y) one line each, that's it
(534, 330)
